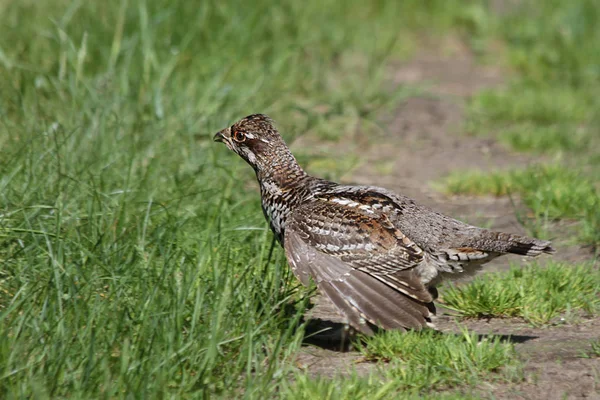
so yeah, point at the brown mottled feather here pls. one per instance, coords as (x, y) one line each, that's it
(361, 297)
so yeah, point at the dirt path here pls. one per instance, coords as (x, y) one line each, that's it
(556, 365)
(425, 141)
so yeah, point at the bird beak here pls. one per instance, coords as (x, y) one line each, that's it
(219, 137)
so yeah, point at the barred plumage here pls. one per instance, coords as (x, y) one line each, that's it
(376, 254)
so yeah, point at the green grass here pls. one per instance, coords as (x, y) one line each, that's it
(545, 139)
(551, 192)
(357, 388)
(521, 103)
(593, 351)
(305, 387)
(595, 348)
(428, 361)
(417, 364)
(537, 294)
(543, 120)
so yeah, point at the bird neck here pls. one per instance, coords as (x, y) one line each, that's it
(283, 187)
(282, 172)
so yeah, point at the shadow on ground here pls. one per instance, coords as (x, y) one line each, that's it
(337, 336)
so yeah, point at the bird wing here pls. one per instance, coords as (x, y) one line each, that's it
(434, 231)
(360, 261)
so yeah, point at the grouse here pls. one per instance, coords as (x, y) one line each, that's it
(376, 254)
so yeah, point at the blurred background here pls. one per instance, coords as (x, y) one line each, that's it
(133, 253)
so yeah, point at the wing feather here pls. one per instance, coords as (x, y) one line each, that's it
(367, 273)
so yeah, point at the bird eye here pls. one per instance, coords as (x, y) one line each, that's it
(239, 136)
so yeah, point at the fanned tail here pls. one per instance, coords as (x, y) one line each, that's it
(500, 242)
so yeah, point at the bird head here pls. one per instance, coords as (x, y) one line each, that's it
(253, 138)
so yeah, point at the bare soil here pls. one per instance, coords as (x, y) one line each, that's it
(556, 358)
(425, 141)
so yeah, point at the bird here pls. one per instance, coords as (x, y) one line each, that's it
(377, 255)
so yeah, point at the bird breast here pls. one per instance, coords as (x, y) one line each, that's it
(276, 213)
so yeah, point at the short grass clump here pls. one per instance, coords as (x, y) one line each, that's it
(540, 120)
(552, 192)
(595, 351)
(537, 294)
(557, 139)
(428, 360)
(378, 386)
(416, 364)
(353, 387)
(540, 106)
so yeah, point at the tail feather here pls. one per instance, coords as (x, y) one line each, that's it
(500, 242)
(534, 248)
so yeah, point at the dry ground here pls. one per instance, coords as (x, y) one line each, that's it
(424, 141)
